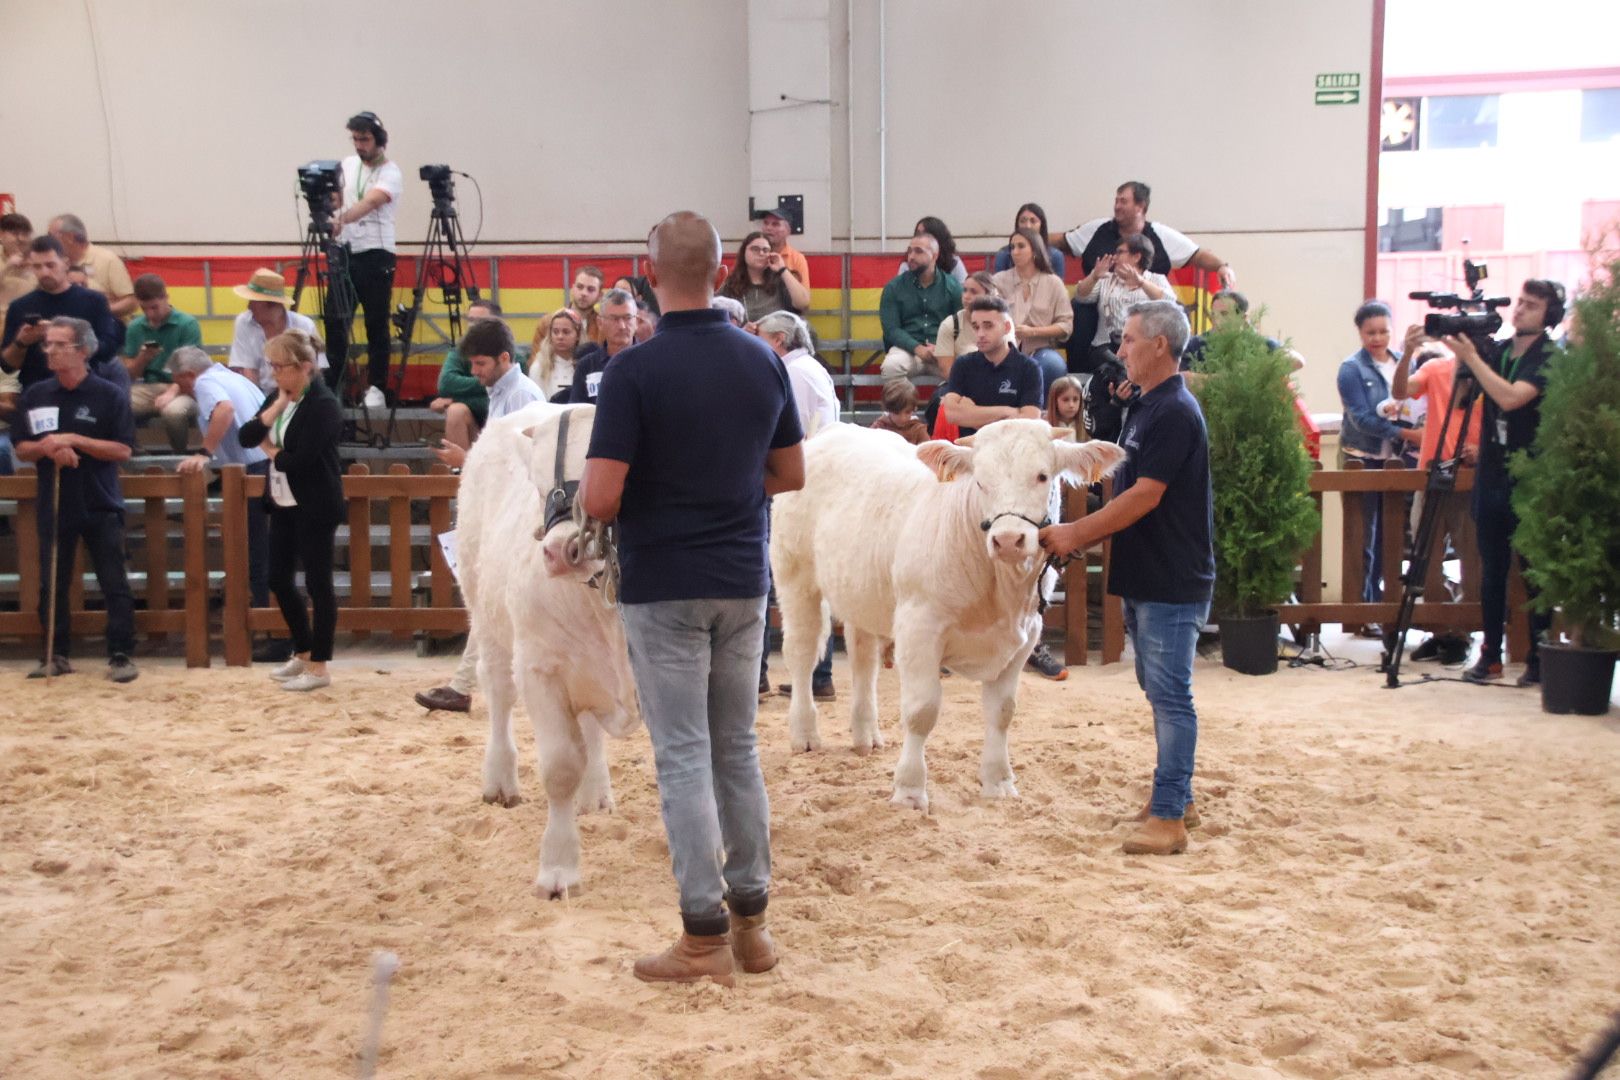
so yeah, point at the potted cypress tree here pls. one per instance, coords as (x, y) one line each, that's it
(1567, 499)
(1261, 472)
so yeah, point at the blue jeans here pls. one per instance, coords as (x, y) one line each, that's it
(7, 466)
(1053, 367)
(1165, 638)
(696, 664)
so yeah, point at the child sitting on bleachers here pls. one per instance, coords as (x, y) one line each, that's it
(1064, 406)
(899, 412)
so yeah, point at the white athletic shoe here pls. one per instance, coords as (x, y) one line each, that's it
(290, 670)
(307, 681)
(374, 399)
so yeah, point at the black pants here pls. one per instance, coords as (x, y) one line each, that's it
(258, 529)
(296, 541)
(372, 273)
(1494, 525)
(103, 536)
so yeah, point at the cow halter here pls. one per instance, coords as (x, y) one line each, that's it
(596, 540)
(989, 521)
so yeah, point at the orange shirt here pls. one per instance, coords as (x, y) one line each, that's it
(1433, 382)
(796, 262)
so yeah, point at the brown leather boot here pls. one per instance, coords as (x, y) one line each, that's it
(1157, 836)
(1189, 816)
(751, 943)
(691, 958)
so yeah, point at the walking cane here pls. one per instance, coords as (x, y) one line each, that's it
(56, 545)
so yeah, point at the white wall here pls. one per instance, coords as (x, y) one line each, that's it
(587, 124)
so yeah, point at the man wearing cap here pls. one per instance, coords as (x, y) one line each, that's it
(777, 229)
(269, 313)
(371, 189)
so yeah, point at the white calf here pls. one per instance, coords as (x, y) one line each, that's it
(540, 626)
(935, 548)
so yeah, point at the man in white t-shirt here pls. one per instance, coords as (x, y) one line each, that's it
(372, 186)
(1102, 236)
(269, 313)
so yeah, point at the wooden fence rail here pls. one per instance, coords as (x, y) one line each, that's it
(422, 595)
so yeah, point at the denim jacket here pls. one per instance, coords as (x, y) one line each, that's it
(1361, 388)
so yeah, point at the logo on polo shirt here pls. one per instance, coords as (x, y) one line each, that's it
(83, 413)
(1005, 387)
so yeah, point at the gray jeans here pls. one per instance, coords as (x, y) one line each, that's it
(696, 664)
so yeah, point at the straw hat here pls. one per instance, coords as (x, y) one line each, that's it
(265, 284)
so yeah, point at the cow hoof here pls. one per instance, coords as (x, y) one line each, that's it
(1001, 789)
(554, 883)
(595, 804)
(865, 744)
(501, 798)
(805, 743)
(911, 799)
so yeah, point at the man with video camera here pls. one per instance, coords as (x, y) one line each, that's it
(365, 225)
(1512, 378)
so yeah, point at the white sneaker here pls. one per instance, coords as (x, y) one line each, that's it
(374, 399)
(290, 670)
(307, 681)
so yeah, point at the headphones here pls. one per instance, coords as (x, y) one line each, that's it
(368, 122)
(1555, 307)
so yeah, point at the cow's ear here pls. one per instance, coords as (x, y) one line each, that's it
(1088, 462)
(948, 461)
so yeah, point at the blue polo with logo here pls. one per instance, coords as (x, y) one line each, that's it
(1168, 555)
(96, 409)
(1015, 382)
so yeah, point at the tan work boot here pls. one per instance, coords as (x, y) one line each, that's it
(1189, 816)
(691, 958)
(1157, 836)
(751, 943)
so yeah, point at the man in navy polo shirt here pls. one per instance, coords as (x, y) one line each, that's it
(694, 429)
(997, 381)
(21, 345)
(80, 424)
(1163, 560)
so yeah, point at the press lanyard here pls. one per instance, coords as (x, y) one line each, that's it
(359, 181)
(1514, 370)
(281, 423)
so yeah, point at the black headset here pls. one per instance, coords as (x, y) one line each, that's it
(368, 122)
(1555, 307)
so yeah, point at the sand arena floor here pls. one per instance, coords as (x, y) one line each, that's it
(196, 869)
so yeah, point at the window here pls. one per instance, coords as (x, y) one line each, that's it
(1409, 229)
(1600, 115)
(1457, 123)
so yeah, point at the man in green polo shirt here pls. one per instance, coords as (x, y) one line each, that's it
(153, 334)
(911, 308)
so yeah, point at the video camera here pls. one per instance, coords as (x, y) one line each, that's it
(1478, 324)
(441, 186)
(320, 181)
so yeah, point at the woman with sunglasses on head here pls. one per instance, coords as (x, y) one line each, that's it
(299, 428)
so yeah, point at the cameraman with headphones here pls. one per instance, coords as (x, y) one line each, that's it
(1513, 381)
(371, 189)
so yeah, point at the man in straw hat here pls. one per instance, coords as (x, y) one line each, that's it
(269, 313)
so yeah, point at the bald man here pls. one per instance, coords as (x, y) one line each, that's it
(694, 429)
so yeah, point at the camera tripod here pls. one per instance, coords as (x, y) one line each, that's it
(326, 263)
(445, 263)
(1440, 486)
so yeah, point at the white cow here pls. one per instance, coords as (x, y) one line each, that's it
(934, 548)
(541, 627)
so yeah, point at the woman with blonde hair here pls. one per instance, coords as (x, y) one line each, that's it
(299, 428)
(553, 365)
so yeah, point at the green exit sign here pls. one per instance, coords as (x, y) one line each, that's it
(1339, 80)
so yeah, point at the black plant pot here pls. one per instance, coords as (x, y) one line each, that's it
(1250, 645)
(1576, 680)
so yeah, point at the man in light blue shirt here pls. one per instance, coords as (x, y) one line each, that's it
(224, 400)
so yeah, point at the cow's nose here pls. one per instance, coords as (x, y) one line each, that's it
(1008, 542)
